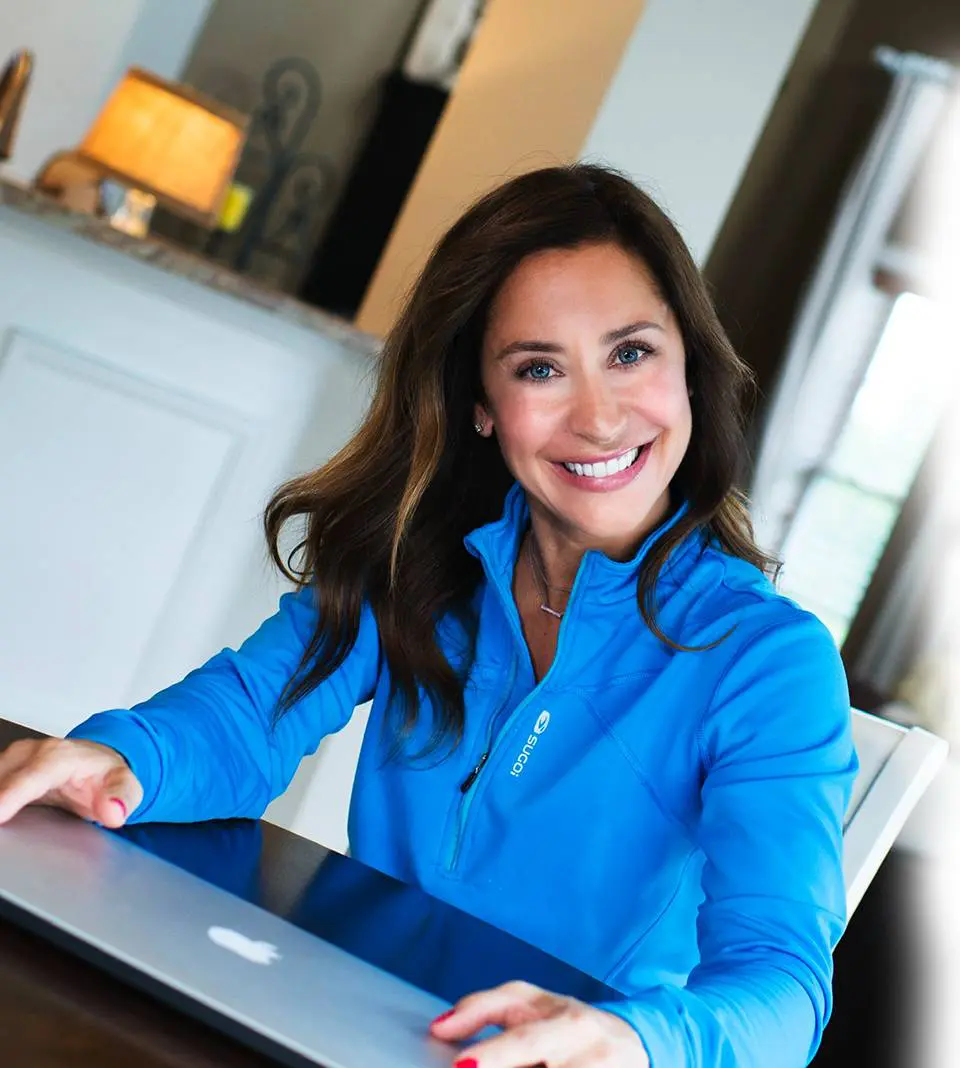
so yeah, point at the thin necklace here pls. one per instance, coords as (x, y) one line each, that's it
(540, 579)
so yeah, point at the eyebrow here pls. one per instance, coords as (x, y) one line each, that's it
(552, 346)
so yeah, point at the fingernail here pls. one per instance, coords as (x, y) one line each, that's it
(123, 807)
(444, 1015)
(467, 1062)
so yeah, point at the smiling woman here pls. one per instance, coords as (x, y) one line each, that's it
(564, 271)
(595, 723)
(592, 412)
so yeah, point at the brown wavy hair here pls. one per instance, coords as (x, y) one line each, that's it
(386, 517)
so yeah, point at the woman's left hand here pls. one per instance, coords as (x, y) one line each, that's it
(539, 1028)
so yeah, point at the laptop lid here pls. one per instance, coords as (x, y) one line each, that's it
(310, 956)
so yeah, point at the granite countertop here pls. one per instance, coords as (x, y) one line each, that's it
(169, 257)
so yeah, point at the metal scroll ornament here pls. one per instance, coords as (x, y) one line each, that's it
(295, 184)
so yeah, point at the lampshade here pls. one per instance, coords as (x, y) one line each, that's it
(170, 141)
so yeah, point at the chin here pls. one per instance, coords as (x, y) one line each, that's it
(607, 521)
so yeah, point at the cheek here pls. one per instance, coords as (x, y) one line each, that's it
(662, 397)
(684, 411)
(523, 420)
(682, 423)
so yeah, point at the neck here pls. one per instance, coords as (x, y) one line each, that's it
(561, 547)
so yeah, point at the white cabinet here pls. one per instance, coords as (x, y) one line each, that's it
(144, 422)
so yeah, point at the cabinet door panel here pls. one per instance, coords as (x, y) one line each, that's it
(144, 422)
(106, 481)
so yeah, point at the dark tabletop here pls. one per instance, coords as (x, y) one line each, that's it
(55, 1009)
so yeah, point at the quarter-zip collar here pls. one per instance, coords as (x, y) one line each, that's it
(601, 580)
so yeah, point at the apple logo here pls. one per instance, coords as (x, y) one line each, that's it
(255, 952)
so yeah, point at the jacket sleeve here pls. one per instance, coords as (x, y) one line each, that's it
(779, 763)
(206, 748)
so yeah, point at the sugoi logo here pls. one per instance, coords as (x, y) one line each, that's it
(543, 721)
(255, 952)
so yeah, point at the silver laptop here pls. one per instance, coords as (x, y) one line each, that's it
(346, 974)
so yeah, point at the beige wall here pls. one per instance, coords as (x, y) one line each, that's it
(675, 93)
(691, 99)
(526, 96)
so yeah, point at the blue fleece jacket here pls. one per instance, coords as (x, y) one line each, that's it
(668, 822)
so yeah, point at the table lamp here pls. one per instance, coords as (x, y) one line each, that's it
(164, 143)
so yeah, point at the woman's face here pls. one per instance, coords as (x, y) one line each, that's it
(583, 364)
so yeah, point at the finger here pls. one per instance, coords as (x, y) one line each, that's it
(542, 1042)
(508, 1005)
(107, 797)
(90, 780)
(14, 757)
(118, 795)
(27, 784)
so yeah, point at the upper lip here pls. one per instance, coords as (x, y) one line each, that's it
(603, 459)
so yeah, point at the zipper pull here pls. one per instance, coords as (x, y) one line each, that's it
(472, 777)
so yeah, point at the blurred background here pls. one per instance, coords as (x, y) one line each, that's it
(210, 211)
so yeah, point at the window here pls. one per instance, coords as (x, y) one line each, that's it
(852, 501)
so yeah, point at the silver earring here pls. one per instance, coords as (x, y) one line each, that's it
(478, 427)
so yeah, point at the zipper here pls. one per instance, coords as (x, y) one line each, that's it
(466, 797)
(492, 729)
(471, 778)
(493, 737)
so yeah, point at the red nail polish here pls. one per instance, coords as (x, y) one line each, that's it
(123, 807)
(445, 1015)
(467, 1062)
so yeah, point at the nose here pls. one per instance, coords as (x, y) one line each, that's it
(597, 413)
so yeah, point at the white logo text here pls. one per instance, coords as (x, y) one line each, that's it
(543, 721)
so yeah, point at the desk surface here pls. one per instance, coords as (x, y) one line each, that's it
(56, 1011)
(54, 1008)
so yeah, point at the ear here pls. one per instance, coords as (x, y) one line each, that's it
(482, 418)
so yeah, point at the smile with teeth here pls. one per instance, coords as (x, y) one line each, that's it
(608, 467)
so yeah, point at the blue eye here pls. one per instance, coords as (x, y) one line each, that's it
(537, 371)
(631, 354)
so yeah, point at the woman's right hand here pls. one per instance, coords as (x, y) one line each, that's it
(87, 778)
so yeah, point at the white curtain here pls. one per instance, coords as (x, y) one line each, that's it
(831, 343)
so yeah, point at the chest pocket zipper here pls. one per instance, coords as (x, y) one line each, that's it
(465, 797)
(471, 778)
